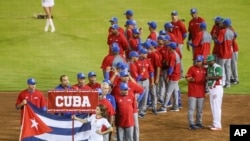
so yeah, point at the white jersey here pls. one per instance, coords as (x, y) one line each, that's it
(47, 3)
(97, 124)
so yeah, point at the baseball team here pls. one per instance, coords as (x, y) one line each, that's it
(141, 75)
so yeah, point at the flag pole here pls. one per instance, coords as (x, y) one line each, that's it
(24, 112)
(73, 129)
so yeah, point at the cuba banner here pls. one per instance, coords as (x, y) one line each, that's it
(72, 101)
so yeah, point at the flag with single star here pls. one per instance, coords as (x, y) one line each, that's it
(38, 125)
(32, 124)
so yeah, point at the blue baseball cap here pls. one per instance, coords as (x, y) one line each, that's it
(193, 11)
(172, 45)
(115, 26)
(152, 24)
(203, 25)
(162, 32)
(129, 22)
(167, 38)
(133, 54)
(124, 86)
(136, 31)
(168, 25)
(99, 91)
(174, 13)
(154, 43)
(115, 47)
(143, 51)
(161, 37)
(199, 58)
(129, 12)
(31, 81)
(124, 74)
(147, 44)
(227, 22)
(80, 75)
(90, 74)
(218, 19)
(113, 19)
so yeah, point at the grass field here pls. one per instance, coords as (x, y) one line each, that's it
(79, 43)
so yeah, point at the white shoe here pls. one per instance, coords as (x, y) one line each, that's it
(53, 29)
(46, 28)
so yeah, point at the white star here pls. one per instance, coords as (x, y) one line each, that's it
(34, 123)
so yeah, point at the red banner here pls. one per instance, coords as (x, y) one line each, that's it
(72, 101)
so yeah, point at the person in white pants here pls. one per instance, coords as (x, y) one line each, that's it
(214, 83)
(47, 7)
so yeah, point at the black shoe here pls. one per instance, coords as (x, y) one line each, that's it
(199, 126)
(154, 111)
(192, 127)
(226, 86)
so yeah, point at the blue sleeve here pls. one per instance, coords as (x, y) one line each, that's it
(170, 70)
(44, 108)
(138, 78)
(151, 74)
(184, 36)
(217, 41)
(106, 75)
(141, 96)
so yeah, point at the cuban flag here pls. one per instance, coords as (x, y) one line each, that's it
(39, 125)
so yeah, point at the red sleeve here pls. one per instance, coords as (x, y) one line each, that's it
(133, 70)
(151, 68)
(221, 36)
(190, 72)
(182, 27)
(198, 38)
(138, 88)
(133, 44)
(124, 43)
(171, 60)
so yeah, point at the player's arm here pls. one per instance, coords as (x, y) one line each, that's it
(218, 71)
(20, 105)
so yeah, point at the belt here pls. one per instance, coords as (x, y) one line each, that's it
(144, 79)
(215, 86)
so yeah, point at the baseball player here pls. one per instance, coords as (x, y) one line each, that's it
(47, 7)
(93, 84)
(152, 26)
(146, 78)
(126, 104)
(214, 33)
(31, 94)
(180, 33)
(132, 68)
(225, 41)
(64, 83)
(111, 60)
(173, 77)
(81, 83)
(201, 42)
(135, 40)
(194, 25)
(196, 92)
(112, 21)
(129, 26)
(118, 38)
(214, 83)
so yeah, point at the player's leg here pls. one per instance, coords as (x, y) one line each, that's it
(153, 99)
(234, 68)
(217, 101)
(222, 62)
(175, 107)
(129, 133)
(136, 128)
(121, 133)
(228, 72)
(143, 102)
(200, 104)
(191, 110)
(46, 10)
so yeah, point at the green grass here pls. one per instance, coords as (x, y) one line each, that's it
(79, 43)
